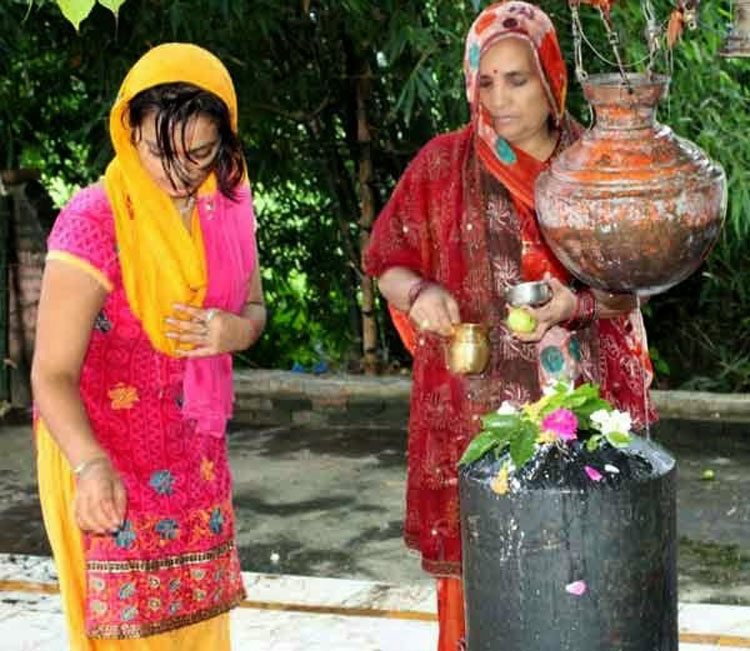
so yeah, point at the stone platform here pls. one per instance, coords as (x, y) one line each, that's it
(295, 613)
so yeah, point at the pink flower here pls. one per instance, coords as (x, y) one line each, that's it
(563, 423)
(576, 588)
(593, 473)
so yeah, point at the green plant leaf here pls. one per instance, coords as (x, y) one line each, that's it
(618, 439)
(593, 443)
(584, 411)
(501, 422)
(481, 445)
(76, 10)
(523, 445)
(112, 5)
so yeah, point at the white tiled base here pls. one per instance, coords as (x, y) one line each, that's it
(33, 622)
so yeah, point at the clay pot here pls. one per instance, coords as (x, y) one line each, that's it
(631, 207)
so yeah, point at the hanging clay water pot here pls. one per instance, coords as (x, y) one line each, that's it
(631, 207)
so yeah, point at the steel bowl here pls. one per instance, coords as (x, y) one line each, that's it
(531, 293)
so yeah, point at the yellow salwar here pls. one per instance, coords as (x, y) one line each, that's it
(56, 491)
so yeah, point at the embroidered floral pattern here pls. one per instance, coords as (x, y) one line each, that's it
(504, 151)
(167, 529)
(122, 396)
(127, 590)
(162, 482)
(216, 523)
(98, 608)
(552, 360)
(125, 535)
(102, 323)
(474, 56)
(207, 470)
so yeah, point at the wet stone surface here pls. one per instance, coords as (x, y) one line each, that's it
(329, 502)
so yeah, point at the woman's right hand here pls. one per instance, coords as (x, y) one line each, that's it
(100, 499)
(435, 310)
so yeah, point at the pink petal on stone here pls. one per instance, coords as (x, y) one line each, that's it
(593, 473)
(576, 588)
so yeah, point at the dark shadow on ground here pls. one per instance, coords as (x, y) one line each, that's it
(387, 445)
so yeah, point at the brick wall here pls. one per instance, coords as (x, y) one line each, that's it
(27, 248)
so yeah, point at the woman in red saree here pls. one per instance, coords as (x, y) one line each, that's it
(459, 229)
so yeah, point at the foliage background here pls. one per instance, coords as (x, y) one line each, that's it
(296, 66)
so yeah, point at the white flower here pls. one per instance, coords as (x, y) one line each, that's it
(611, 422)
(507, 409)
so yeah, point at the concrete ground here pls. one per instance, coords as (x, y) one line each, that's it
(327, 502)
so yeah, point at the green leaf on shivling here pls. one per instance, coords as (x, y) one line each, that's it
(76, 10)
(481, 445)
(593, 443)
(523, 445)
(501, 422)
(618, 439)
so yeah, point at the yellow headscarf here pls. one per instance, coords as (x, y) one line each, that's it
(162, 264)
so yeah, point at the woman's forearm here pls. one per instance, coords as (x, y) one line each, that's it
(59, 402)
(253, 322)
(612, 305)
(396, 285)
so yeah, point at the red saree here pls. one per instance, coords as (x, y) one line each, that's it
(463, 217)
(435, 224)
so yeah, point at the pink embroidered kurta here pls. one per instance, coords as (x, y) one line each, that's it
(174, 560)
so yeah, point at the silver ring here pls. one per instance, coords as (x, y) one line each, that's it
(210, 314)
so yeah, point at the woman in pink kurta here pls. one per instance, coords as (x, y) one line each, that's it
(147, 557)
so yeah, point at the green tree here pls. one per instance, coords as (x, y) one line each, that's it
(336, 97)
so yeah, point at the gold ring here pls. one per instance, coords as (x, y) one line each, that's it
(425, 324)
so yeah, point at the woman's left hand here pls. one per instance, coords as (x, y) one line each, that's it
(201, 332)
(558, 309)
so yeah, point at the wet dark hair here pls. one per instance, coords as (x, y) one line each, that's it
(174, 105)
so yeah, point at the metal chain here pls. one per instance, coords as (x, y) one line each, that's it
(652, 33)
(579, 38)
(614, 41)
(581, 74)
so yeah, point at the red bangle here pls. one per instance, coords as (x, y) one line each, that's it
(584, 313)
(416, 289)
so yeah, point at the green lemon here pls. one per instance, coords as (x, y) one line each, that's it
(519, 320)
